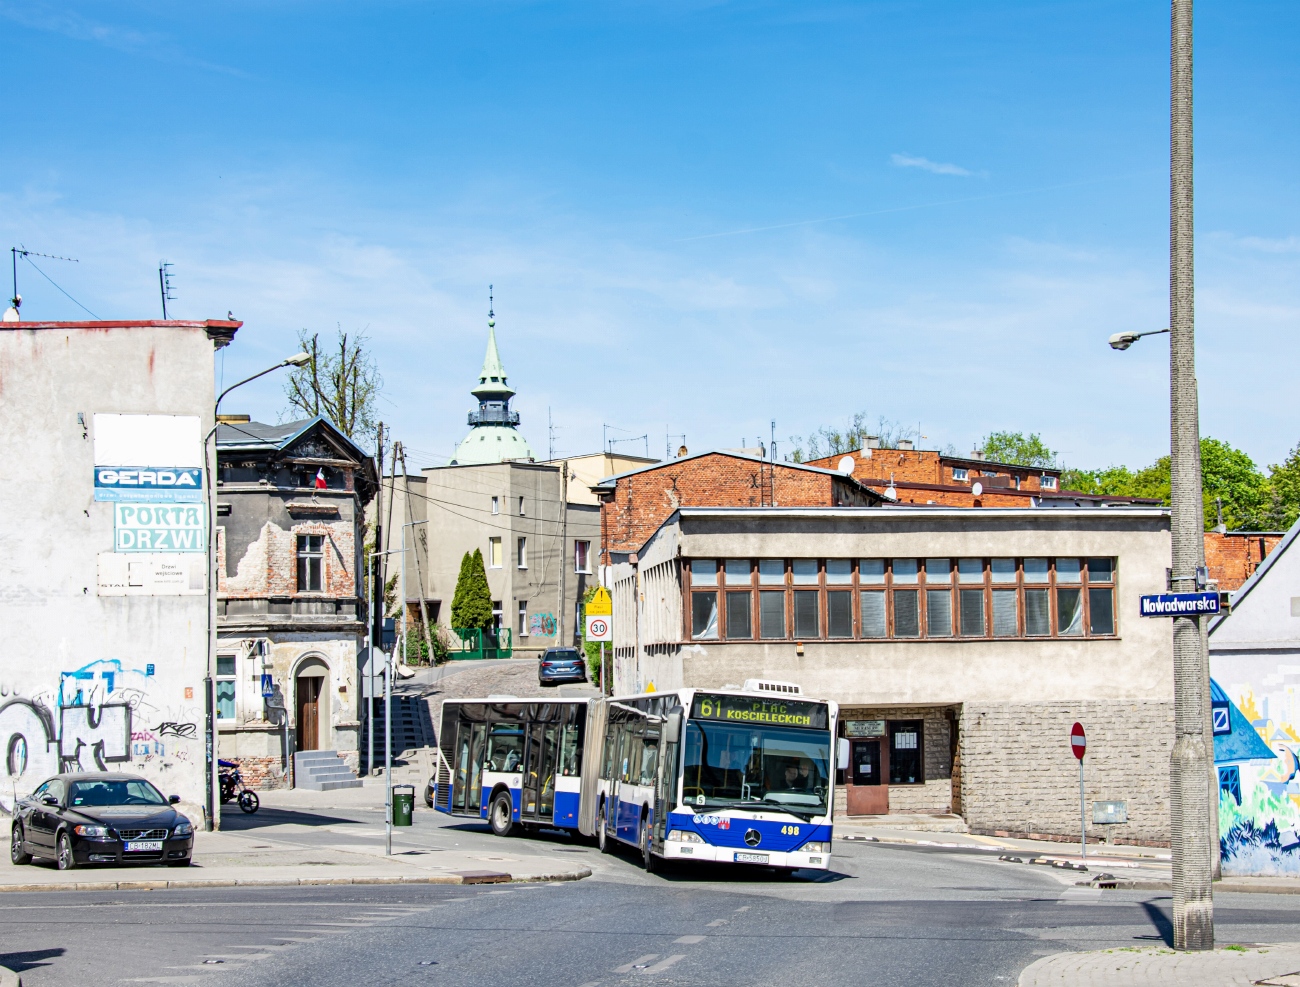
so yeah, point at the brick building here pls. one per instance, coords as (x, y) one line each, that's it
(290, 532)
(634, 504)
(961, 645)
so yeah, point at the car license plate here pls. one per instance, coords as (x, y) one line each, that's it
(751, 858)
(144, 846)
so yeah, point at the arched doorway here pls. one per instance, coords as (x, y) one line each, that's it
(311, 703)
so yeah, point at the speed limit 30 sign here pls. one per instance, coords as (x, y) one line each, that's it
(599, 629)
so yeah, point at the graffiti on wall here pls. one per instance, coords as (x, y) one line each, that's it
(542, 624)
(1259, 781)
(86, 725)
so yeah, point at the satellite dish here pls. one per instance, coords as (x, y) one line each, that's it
(976, 489)
(846, 465)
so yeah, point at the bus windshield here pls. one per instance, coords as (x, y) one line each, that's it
(730, 765)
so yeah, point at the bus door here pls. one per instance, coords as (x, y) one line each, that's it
(538, 796)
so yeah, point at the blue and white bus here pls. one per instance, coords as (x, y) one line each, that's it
(726, 775)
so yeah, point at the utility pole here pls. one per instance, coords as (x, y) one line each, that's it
(1191, 760)
(564, 542)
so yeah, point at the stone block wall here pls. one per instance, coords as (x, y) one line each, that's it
(1019, 776)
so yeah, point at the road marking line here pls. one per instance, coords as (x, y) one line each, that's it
(689, 940)
(663, 965)
(639, 961)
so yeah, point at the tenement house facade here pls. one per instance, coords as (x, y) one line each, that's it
(961, 645)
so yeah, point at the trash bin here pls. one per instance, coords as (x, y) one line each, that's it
(403, 804)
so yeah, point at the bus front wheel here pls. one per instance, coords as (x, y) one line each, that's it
(501, 815)
(602, 831)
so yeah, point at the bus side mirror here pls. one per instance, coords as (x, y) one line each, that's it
(672, 731)
(843, 752)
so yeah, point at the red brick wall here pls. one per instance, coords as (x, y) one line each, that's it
(643, 501)
(1233, 558)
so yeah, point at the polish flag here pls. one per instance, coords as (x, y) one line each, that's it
(320, 478)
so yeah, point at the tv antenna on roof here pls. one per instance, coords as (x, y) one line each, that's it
(165, 285)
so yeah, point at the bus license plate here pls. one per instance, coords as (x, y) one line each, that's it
(751, 858)
(144, 846)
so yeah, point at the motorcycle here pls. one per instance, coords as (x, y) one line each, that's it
(232, 787)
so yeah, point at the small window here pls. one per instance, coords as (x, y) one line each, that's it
(839, 572)
(771, 613)
(907, 617)
(582, 556)
(740, 624)
(523, 619)
(311, 558)
(704, 616)
(496, 505)
(1036, 570)
(1004, 570)
(871, 571)
(960, 475)
(771, 572)
(938, 612)
(521, 507)
(521, 553)
(970, 570)
(1049, 483)
(803, 572)
(905, 570)
(1101, 570)
(938, 571)
(704, 572)
(225, 684)
(737, 572)
(494, 553)
(1068, 571)
(873, 614)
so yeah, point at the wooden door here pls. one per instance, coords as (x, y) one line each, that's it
(309, 713)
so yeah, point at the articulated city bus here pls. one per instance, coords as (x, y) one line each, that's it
(727, 775)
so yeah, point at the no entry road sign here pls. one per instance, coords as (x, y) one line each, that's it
(1078, 741)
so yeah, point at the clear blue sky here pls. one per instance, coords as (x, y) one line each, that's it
(699, 217)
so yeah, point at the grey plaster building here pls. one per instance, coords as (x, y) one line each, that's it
(291, 505)
(960, 644)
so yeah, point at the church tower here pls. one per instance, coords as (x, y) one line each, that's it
(494, 436)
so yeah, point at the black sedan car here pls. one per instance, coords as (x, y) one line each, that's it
(100, 818)
(561, 665)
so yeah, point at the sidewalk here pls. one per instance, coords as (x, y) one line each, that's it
(312, 846)
(1234, 965)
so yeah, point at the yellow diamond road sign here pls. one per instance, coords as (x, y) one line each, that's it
(600, 605)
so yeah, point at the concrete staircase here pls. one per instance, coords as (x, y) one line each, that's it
(322, 771)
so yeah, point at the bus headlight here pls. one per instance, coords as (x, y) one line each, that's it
(684, 836)
(814, 847)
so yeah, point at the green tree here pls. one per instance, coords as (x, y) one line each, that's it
(471, 605)
(342, 386)
(1018, 449)
(1284, 492)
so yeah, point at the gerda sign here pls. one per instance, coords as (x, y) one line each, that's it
(158, 528)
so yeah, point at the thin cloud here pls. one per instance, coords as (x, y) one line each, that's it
(148, 44)
(925, 164)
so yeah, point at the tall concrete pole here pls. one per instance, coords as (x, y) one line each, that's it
(1190, 763)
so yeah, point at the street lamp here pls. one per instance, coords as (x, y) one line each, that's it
(1123, 340)
(209, 681)
(1190, 789)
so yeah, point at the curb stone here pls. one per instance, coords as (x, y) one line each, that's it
(466, 877)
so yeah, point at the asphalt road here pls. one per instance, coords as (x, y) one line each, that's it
(886, 915)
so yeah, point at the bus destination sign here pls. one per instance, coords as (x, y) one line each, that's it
(752, 709)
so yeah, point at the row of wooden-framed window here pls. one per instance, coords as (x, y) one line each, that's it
(906, 599)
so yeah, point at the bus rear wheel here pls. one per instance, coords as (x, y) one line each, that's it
(501, 814)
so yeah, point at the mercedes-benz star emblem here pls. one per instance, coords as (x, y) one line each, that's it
(753, 837)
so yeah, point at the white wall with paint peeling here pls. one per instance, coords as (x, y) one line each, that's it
(93, 680)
